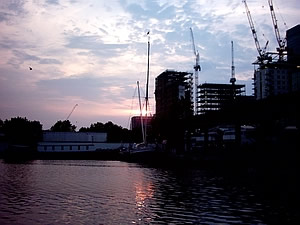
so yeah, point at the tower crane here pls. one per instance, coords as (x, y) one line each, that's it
(281, 42)
(197, 68)
(262, 52)
(72, 111)
(232, 79)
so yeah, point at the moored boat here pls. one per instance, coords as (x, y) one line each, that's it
(144, 147)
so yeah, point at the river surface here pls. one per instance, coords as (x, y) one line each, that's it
(113, 192)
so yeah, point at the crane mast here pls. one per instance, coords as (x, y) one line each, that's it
(72, 111)
(261, 52)
(197, 68)
(281, 43)
(232, 79)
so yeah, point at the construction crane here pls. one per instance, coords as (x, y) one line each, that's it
(71, 111)
(197, 68)
(281, 42)
(232, 79)
(262, 52)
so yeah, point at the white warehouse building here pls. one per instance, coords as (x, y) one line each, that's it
(75, 142)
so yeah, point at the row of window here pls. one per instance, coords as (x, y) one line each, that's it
(66, 147)
(278, 71)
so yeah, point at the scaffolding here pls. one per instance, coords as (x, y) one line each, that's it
(215, 96)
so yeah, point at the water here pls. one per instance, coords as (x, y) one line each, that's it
(113, 192)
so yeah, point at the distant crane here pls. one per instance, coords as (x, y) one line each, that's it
(281, 42)
(71, 111)
(197, 68)
(262, 52)
(232, 79)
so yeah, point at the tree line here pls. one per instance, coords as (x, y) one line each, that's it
(21, 131)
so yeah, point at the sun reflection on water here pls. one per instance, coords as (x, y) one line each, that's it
(143, 191)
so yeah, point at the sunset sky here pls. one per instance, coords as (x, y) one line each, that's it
(93, 52)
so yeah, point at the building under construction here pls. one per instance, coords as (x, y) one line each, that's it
(172, 89)
(280, 75)
(213, 96)
(276, 72)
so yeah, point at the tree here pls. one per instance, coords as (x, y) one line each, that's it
(1, 125)
(114, 132)
(63, 126)
(22, 131)
(95, 127)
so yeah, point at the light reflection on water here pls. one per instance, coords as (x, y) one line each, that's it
(112, 192)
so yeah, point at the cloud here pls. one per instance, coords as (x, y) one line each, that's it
(86, 87)
(20, 57)
(4, 16)
(11, 11)
(52, 2)
(95, 45)
(49, 61)
(11, 44)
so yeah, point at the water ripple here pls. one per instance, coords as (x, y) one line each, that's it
(112, 192)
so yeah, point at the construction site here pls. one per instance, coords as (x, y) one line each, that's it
(221, 112)
(276, 72)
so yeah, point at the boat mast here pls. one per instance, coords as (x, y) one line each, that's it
(147, 85)
(141, 112)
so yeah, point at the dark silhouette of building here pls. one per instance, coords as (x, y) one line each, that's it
(215, 96)
(271, 81)
(136, 122)
(173, 93)
(293, 44)
(293, 49)
(174, 108)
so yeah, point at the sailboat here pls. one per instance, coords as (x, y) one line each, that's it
(144, 146)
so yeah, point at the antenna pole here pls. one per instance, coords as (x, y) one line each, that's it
(147, 84)
(141, 112)
(147, 87)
